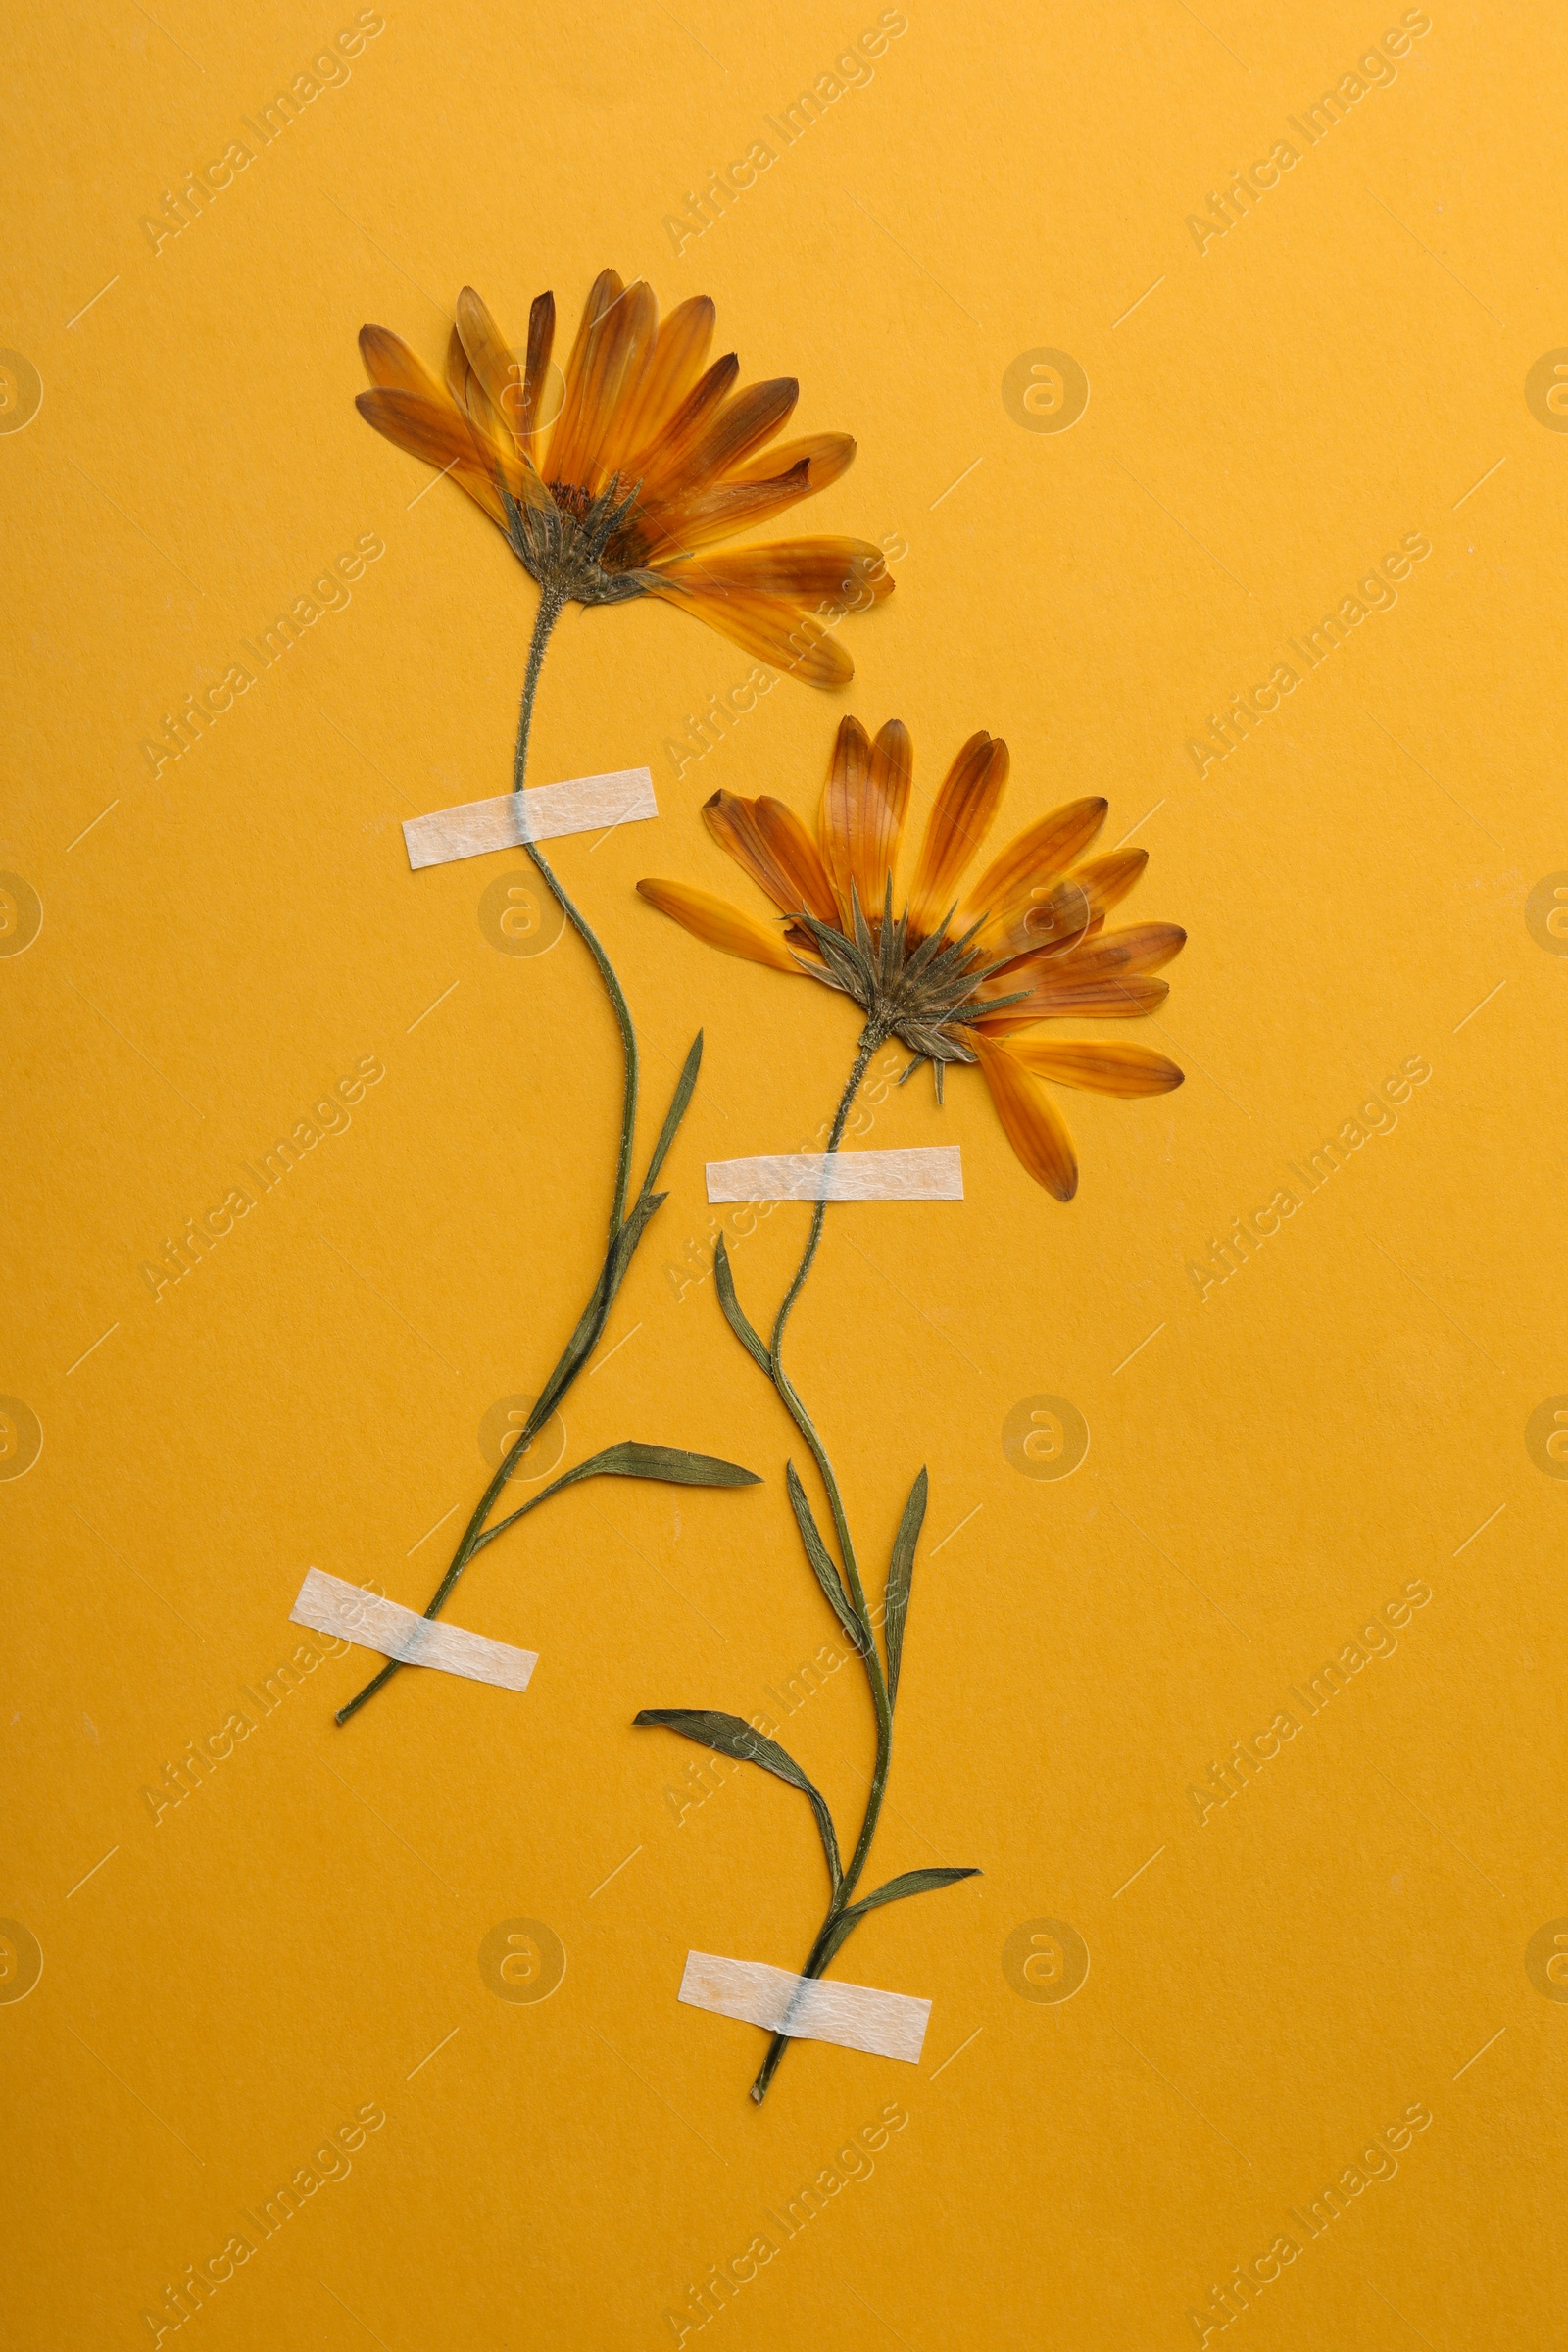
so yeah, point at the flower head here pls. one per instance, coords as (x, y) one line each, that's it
(650, 459)
(957, 978)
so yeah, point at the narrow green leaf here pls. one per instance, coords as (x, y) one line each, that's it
(591, 1322)
(669, 1463)
(910, 1881)
(677, 1109)
(817, 1551)
(735, 1313)
(731, 1735)
(899, 1577)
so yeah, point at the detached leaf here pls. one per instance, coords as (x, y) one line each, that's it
(898, 1578)
(735, 1313)
(677, 1110)
(817, 1551)
(732, 1736)
(664, 1462)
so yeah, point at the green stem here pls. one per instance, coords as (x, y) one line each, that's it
(872, 1038)
(550, 610)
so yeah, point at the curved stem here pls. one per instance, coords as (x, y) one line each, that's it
(551, 606)
(550, 610)
(871, 1037)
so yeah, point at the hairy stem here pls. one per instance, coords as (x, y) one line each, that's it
(871, 1037)
(549, 610)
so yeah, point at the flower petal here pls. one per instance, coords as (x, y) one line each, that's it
(827, 454)
(719, 924)
(660, 463)
(389, 362)
(766, 626)
(569, 441)
(434, 431)
(490, 360)
(750, 417)
(838, 816)
(882, 809)
(680, 348)
(1105, 1068)
(689, 520)
(770, 843)
(1109, 878)
(628, 356)
(1140, 948)
(1104, 997)
(526, 417)
(970, 795)
(1030, 1119)
(1042, 851)
(807, 570)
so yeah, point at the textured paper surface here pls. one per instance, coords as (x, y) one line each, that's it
(331, 1606)
(1291, 1414)
(890, 2025)
(932, 1172)
(585, 805)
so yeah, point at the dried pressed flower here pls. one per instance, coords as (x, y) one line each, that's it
(653, 457)
(956, 979)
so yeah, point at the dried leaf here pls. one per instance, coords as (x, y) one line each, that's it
(899, 1574)
(735, 1313)
(827, 1574)
(677, 1109)
(731, 1735)
(669, 1463)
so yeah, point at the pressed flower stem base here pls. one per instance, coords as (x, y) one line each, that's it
(625, 1233)
(872, 1037)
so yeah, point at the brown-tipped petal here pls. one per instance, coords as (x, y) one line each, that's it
(766, 626)
(837, 813)
(970, 796)
(1030, 1119)
(850, 571)
(1112, 996)
(615, 391)
(566, 440)
(389, 362)
(680, 351)
(828, 455)
(489, 357)
(490, 428)
(795, 854)
(874, 846)
(660, 465)
(736, 826)
(1140, 948)
(1105, 1068)
(1043, 850)
(435, 432)
(747, 420)
(686, 523)
(719, 924)
(1108, 879)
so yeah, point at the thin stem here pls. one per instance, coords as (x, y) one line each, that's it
(473, 1537)
(871, 1037)
(549, 610)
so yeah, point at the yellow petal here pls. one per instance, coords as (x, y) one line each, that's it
(1030, 1119)
(683, 524)
(490, 360)
(434, 431)
(1047, 847)
(828, 455)
(768, 627)
(1109, 878)
(747, 420)
(389, 362)
(1140, 948)
(970, 796)
(719, 924)
(1105, 1069)
(769, 842)
(616, 390)
(680, 349)
(837, 817)
(527, 417)
(660, 465)
(1104, 997)
(808, 571)
(567, 441)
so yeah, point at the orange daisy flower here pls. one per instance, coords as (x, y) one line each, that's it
(651, 458)
(957, 979)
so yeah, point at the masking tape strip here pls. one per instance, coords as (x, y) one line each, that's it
(329, 1605)
(890, 2025)
(932, 1172)
(583, 805)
